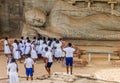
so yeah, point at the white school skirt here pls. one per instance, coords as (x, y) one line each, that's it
(17, 55)
(34, 54)
(58, 53)
(27, 50)
(13, 77)
(7, 50)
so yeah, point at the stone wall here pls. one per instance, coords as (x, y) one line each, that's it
(10, 17)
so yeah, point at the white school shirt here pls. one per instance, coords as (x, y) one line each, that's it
(29, 62)
(32, 47)
(69, 51)
(15, 47)
(23, 41)
(12, 67)
(50, 48)
(5, 43)
(28, 45)
(43, 47)
(48, 42)
(41, 42)
(9, 60)
(58, 45)
(53, 43)
(6, 47)
(49, 56)
(21, 45)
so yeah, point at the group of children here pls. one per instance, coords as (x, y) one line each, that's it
(34, 49)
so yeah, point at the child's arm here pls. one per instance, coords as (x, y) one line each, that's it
(46, 61)
(8, 68)
(17, 67)
(25, 65)
(33, 67)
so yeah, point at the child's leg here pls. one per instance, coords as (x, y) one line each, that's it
(67, 69)
(71, 70)
(49, 71)
(27, 73)
(31, 77)
(27, 77)
(39, 56)
(67, 65)
(71, 65)
(31, 73)
(6, 55)
(46, 68)
(20, 60)
(35, 60)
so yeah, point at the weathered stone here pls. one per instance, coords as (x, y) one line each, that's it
(91, 25)
(35, 17)
(28, 31)
(79, 19)
(10, 15)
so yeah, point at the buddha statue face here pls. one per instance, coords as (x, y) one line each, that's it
(35, 17)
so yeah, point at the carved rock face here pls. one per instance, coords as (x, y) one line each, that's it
(35, 17)
(68, 21)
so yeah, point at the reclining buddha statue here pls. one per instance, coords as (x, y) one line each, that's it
(68, 21)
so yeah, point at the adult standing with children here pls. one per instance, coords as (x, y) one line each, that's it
(69, 51)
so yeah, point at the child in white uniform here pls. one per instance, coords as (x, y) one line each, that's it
(16, 51)
(22, 48)
(27, 47)
(33, 51)
(43, 50)
(44, 45)
(6, 47)
(8, 62)
(49, 60)
(39, 51)
(40, 47)
(13, 72)
(58, 50)
(53, 47)
(22, 39)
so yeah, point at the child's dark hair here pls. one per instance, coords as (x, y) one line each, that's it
(69, 44)
(6, 38)
(54, 39)
(34, 37)
(28, 55)
(33, 42)
(22, 37)
(50, 43)
(15, 41)
(40, 38)
(49, 39)
(57, 41)
(13, 60)
(20, 41)
(27, 38)
(44, 38)
(28, 41)
(44, 42)
(46, 49)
